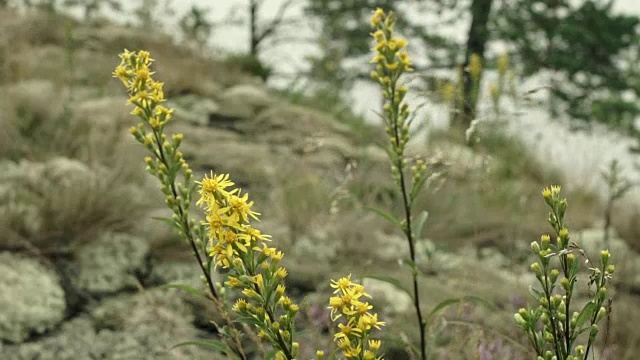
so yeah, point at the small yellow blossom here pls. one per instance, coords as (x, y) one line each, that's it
(503, 63)
(475, 66)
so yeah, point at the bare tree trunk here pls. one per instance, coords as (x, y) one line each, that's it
(253, 19)
(476, 43)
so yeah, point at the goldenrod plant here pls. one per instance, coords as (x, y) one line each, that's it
(391, 62)
(167, 163)
(497, 88)
(553, 326)
(227, 240)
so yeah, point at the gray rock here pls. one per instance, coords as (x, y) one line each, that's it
(196, 110)
(317, 249)
(112, 263)
(31, 301)
(67, 172)
(245, 101)
(139, 326)
(394, 301)
(592, 242)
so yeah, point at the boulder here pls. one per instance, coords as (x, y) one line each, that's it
(32, 300)
(393, 300)
(135, 326)
(592, 242)
(195, 110)
(245, 101)
(112, 263)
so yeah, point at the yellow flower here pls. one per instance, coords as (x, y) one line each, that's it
(367, 321)
(342, 284)
(218, 220)
(352, 352)
(233, 282)
(143, 73)
(378, 35)
(144, 57)
(393, 66)
(475, 66)
(240, 305)
(344, 343)
(401, 43)
(126, 55)
(252, 235)
(405, 60)
(240, 208)
(346, 330)
(374, 344)
(209, 186)
(503, 63)
(377, 17)
(280, 274)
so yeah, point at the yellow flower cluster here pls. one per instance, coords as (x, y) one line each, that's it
(145, 93)
(167, 162)
(253, 267)
(391, 55)
(475, 67)
(391, 61)
(355, 332)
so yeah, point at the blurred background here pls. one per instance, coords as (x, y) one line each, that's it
(509, 96)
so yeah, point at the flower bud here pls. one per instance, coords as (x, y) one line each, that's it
(520, 320)
(535, 247)
(604, 257)
(544, 241)
(535, 267)
(611, 269)
(602, 293)
(601, 313)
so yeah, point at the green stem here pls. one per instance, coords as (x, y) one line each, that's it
(408, 230)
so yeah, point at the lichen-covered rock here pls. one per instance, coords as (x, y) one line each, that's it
(140, 326)
(194, 109)
(245, 101)
(112, 263)
(394, 301)
(31, 300)
(592, 241)
(67, 172)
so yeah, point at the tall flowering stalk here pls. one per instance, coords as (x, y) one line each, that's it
(167, 163)
(391, 60)
(229, 239)
(556, 270)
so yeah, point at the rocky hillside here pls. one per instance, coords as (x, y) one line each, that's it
(83, 264)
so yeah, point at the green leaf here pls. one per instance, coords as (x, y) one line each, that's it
(441, 306)
(168, 221)
(209, 344)
(535, 293)
(419, 224)
(586, 314)
(386, 215)
(446, 303)
(411, 265)
(393, 281)
(415, 190)
(191, 290)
